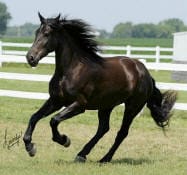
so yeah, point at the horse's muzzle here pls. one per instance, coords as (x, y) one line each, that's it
(33, 62)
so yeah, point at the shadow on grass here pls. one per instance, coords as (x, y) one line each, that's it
(131, 161)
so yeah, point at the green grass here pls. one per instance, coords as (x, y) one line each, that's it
(29, 86)
(141, 42)
(18, 39)
(145, 151)
(25, 68)
(147, 42)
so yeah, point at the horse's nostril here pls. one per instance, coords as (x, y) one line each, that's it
(31, 58)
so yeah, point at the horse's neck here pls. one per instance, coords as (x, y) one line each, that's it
(64, 59)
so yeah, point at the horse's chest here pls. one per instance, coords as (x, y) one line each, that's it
(55, 89)
(62, 89)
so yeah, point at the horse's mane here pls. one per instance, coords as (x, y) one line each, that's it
(82, 35)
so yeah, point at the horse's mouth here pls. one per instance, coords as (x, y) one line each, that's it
(33, 63)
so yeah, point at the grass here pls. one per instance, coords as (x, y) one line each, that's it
(25, 68)
(146, 150)
(143, 42)
(18, 39)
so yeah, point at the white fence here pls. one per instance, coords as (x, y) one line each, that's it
(19, 57)
(156, 53)
(46, 78)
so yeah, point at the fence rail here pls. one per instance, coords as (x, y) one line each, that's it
(19, 56)
(46, 78)
(125, 50)
(51, 60)
(44, 96)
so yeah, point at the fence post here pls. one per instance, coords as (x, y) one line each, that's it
(1, 52)
(157, 54)
(128, 54)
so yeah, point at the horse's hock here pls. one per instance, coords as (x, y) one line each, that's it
(180, 55)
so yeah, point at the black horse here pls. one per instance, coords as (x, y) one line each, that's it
(83, 80)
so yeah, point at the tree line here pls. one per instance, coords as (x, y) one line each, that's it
(164, 29)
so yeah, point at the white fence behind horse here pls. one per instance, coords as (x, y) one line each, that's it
(19, 57)
(5, 54)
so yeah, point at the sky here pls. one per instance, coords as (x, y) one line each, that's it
(101, 14)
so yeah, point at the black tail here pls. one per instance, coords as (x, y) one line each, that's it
(160, 105)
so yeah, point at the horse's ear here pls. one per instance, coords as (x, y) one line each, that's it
(42, 19)
(57, 19)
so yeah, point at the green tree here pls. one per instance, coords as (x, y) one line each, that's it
(25, 30)
(122, 30)
(4, 18)
(145, 30)
(174, 24)
(164, 31)
(28, 29)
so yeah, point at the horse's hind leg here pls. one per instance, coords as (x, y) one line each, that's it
(132, 108)
(104, 117)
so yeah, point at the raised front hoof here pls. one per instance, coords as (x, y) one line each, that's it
(32, 150)
(79, 159)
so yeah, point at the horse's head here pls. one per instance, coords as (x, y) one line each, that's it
(45, 40)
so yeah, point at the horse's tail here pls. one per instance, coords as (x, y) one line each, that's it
(160, 105)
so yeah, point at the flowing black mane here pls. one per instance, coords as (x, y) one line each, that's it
(82, 35)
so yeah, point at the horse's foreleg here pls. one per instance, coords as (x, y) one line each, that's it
(103, 116)
(48, 108)
(70, 111)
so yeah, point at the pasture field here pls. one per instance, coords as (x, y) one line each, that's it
(142, 42)
(146, 150)
(18, 39)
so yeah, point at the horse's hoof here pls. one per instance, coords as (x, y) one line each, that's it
(68, 142)
(32, 152)
(105, 160)
(80, 159)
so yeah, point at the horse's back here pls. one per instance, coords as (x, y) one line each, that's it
(126, 70)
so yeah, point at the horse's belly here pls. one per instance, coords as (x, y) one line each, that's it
(107, 101)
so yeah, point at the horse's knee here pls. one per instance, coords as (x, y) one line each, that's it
(53, 122)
